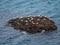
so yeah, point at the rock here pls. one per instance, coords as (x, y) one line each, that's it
(33, 24)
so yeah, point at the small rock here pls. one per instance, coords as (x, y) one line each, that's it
(34, 24)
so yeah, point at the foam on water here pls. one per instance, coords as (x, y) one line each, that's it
(16, 8)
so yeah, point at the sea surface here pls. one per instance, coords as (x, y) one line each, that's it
(20, 8)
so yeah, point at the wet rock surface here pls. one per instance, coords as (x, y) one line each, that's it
(33, 24)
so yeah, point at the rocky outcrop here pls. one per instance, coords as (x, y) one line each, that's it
(33, 24)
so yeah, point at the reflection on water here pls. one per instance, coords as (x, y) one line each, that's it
(16, 8)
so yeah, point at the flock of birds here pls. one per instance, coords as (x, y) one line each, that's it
(31, 20)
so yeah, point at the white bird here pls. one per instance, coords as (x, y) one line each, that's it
(45, 16)
(21, 20)
(31, 18)
(37, 23)
(24, 32)
(26, 21)
(43, 31)
(18, 23)
(33, 22)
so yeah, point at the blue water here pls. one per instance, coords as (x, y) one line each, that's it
(16, 8)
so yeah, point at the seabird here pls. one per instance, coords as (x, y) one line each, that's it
(21, 19)
(26, 21)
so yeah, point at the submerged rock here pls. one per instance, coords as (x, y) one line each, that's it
(33, 24)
